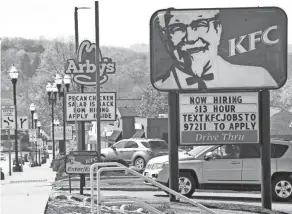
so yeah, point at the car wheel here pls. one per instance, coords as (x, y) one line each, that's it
(186, 184)
(139, 163)
(282, 188)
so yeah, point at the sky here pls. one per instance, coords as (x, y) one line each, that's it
(122, 22)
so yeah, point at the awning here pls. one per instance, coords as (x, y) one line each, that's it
(116, 136)
(139, 134)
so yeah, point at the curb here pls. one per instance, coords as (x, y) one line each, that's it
(115, 177)
(144, 189)
(237, 198)
(101, 178)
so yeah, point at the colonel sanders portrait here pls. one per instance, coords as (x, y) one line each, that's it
(192, 38)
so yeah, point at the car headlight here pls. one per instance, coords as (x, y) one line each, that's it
(158, 166)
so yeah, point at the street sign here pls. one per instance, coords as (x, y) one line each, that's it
(59, 135)
(79, 162)
(84, 69)
(219, 118)
(22, 123)
(8, 117)
(32, 135)
(218, 49)
(86, 106)
(39, 141)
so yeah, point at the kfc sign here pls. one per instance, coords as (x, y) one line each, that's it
(218, 49)
(84, 69)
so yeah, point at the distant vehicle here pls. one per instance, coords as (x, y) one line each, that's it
(137, 151)
(2, 156)
(232, 167)
(2, 174)
(20, 160)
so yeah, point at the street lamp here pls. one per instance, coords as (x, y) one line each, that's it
(59, 82)
(43, 147)
(39, 133)
(52, 95)
(32, 110)
(76, 25)
(13, 73)
(35, 118)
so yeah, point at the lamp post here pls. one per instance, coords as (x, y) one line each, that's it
(76, 25)
(43, 147)
(13, 73)
(35, 118)
(52, 95)
(39, 136)
(62, 92)
(32, 110)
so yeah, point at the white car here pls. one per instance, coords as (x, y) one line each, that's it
(231, 167)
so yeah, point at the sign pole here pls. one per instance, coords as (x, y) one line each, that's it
(9, 145)
(98, 146)
(20, 151)
(77, 135)
(69, 183)
(266, 188)
(173, 138)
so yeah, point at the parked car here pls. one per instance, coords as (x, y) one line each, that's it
(231, 167)
(19, 160)
(2, 156)
(25, 157)
(137, 151)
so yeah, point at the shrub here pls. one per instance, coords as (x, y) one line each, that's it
(115, 173)
(61, 169)
(57, 163)
(118, 160)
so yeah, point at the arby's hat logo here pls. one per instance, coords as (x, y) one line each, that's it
(84, 67)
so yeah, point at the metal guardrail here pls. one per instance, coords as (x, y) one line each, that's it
(122, 167)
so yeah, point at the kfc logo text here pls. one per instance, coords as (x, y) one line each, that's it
(252, 38)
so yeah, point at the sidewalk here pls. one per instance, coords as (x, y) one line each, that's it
(27, 191)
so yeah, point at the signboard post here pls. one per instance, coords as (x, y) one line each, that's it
(59, 132)
(219, 118)
(8, 123)
(241, 51)
(85, 69)
(22, 123)
(9, 146)
(86, 106)
(79, 162)
(32, 135)
(8, 117)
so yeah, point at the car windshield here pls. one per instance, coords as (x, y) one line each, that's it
(155, 144)
(197, 150)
